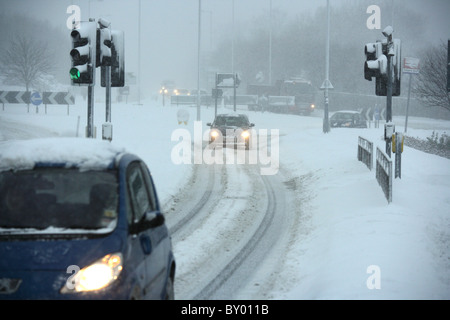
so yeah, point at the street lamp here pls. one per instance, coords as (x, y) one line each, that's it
(198, 57)
(327, 84)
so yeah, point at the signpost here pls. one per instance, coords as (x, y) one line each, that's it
(411, 66)
(228, 80)
(36, 100)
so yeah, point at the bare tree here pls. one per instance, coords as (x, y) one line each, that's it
(25, 61)
(431, 85)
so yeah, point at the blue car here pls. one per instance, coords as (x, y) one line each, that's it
(80, 219)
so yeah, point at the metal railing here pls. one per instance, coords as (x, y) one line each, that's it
(384, 173)
(365, 152)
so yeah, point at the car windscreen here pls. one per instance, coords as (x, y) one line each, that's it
(231, 121)
(58, 201)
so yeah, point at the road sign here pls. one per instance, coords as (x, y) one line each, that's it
(411, 65)
(58, 98)
(326, 85)
(36, 98)
(15, 97)
(225, 80)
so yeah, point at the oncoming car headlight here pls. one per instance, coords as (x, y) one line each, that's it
(245, 134)
(214, 134)
(96, 276)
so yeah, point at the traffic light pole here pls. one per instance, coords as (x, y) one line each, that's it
(389, 94)
(108, 93)
(234, 93)
(107, 126)
(90, 113)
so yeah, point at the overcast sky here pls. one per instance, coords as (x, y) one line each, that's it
(169, 28)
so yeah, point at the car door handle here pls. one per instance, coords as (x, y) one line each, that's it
(146, 244)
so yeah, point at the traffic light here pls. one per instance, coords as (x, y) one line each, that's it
(376, 65)
(117, 60)
(397, 65)
(376, 61)
(103, 47)
(83, 53)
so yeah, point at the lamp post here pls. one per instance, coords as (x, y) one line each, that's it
(327, 84)
(198, 58)
(270, 43)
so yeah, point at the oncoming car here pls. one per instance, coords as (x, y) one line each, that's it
(347, 119)
(80, 219)
(231, 130)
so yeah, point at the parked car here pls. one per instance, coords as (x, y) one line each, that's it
(80, 219)
(231, 129)
(348, 119)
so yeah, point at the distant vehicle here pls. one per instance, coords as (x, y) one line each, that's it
(348, 119)
(167, 88)
(231, 129)
(299, 96)
(202, 92)
(181, 92)
(80, 223)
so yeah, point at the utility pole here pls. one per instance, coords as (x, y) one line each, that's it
(139, 54)
(270, 44)
(198, 57)
(327, 84)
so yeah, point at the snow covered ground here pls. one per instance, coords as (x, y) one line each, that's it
(350, 243)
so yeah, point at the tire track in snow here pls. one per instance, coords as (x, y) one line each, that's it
(244, 211)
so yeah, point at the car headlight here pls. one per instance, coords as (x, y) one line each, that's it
(312, 106)
(245, 134)
(214, 134)
(96, 276)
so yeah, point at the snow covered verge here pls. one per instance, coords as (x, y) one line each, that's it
(350, 243)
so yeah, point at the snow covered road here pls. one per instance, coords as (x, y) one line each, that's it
(251, 219)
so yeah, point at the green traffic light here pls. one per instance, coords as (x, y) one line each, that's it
(74, 74)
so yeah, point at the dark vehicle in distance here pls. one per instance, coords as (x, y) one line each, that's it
(80, 224)
(291, 96)
(348, 119)
(231, 130)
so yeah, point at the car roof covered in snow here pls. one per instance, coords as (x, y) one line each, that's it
(231, 115)
(83, 153)
(348, 111)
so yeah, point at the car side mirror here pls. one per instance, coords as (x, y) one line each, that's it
(209, 124)
(252, 124)
(153, 219)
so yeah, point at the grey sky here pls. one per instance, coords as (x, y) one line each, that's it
(169, 27)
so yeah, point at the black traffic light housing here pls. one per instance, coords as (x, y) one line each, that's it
(376, 65)
(83, 53)
(117, 60)
(103, 57)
